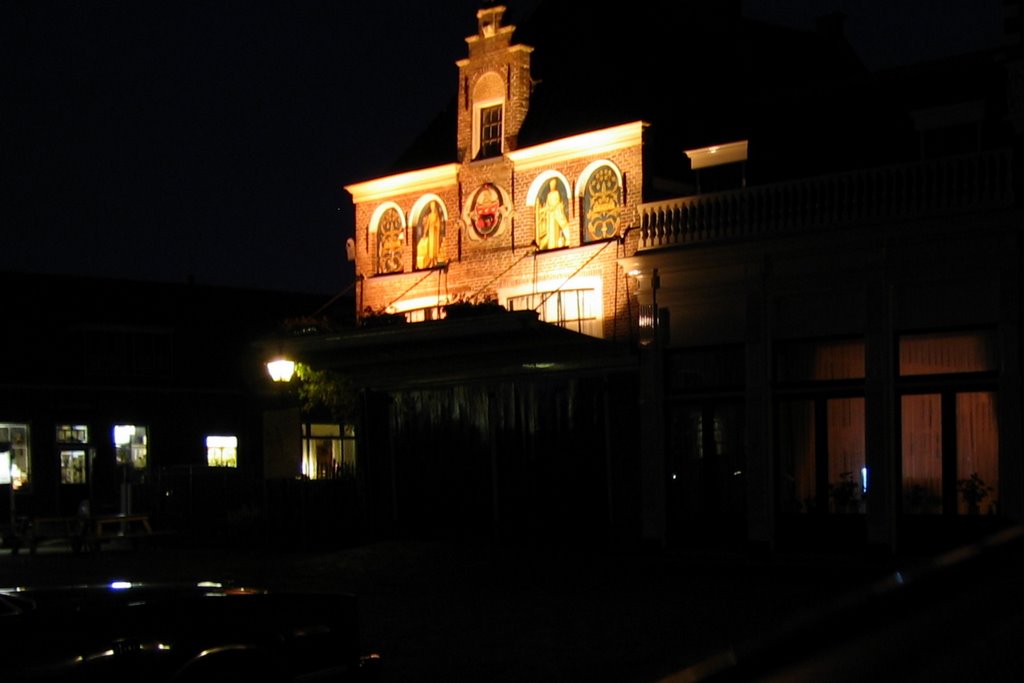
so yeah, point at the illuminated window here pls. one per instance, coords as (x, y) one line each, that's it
(947, 353)
(822, 455)
(15, 461)
(222, 451)
(72, 442)
(72, 434)
(821, 426)
(328, 451)
(949, 426)
(950, 453)
(575, 309)
(490, 132)
(488, 113)
(131, 445)
(807, 361)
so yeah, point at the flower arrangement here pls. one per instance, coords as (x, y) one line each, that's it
(973, 490)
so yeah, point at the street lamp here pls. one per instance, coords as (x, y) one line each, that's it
(281, 369)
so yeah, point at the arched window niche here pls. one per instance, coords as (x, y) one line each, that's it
(428, 221)
(549, 195)
(600, 194)
(387, 233)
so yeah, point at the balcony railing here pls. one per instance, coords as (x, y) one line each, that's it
(975, 182)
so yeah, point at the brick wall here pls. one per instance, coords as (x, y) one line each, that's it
(506, 260)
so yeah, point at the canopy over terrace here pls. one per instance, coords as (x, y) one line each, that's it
(455, 350)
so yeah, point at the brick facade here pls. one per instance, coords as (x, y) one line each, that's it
(506, 262)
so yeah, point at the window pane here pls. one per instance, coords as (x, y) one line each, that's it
(847, 472)
(573, 309)
(222, 451)
(130, 445)
(977, 440)
(15, 463)
(796, 452)
(921, 420)
(72, 434)
(820, 360)
(326, 454)
(490, 131)
(934, 354)
(72, 467)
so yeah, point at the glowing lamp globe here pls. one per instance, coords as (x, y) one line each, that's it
(281, 369)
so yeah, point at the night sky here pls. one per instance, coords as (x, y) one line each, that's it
(211, 140)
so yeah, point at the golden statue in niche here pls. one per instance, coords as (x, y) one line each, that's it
(429, 237)
(552, 229)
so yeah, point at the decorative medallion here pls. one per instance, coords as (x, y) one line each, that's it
(602, 199)
(486, 211)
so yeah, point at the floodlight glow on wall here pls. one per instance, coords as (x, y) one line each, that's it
(281, 369)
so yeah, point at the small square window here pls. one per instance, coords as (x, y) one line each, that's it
(222, 451)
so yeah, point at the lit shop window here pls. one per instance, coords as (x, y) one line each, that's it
(821, 426)
(14, 454)
(328, 451)
(222, 451)
(72, 449)
(949, 426)
(131, 444)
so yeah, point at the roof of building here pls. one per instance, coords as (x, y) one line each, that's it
(700, 74)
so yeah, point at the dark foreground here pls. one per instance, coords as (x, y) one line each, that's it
(479, 612)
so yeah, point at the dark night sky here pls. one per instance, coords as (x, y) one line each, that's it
(212, 140)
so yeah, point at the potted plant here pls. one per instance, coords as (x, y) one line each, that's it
(372, 318)
(462, 307)
(973, 490)
(844, 492)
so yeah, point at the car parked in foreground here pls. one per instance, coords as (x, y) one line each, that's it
(164, 632)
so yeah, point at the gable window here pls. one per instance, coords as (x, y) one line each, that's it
(488, 116)
(490, 131)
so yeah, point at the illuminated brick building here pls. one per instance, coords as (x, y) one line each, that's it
(753, 294)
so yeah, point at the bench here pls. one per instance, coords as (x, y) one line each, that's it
(59, 528)
(84, 532)
(100, 528)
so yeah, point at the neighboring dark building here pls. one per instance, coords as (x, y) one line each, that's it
(111, 389)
